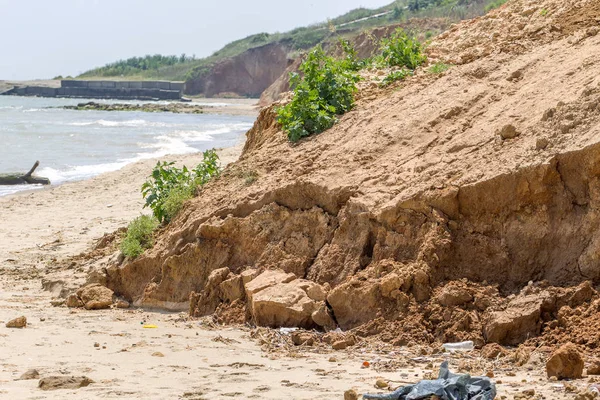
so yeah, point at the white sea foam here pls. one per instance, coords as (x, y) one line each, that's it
(165, 146)
(79, 172)
(128, 123)
(208, 104)
(6, 190)
(207, 135)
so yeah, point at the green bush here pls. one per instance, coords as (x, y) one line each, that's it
(324, 89)
(394, 77)
(351, 61)
(207, 169)
(439, 68)
(401, 50)
(169, 187)
(175, 199)
(139, 236)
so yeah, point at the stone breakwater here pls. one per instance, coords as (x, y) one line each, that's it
(125, 90)
(177, 108)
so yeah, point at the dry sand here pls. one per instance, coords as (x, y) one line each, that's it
(181, 358)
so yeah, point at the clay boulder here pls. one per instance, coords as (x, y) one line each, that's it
(289, 304)
(96, 296)
(565, 363)
(520, 321)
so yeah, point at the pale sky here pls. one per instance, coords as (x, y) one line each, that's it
(46, 38)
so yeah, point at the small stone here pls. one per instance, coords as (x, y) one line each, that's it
(381, 384)
(525, 394)
(541, 143)
(594, 368)
(350, 395)
(30, 374)
(20, 322)
(570, 388)
(489, 374)
(157, 354)
(64, 382)
(122, 304)
(508, 132)
(96, 344)
(515, 76)
(332, 359)
(493, 350)
(302, 338)
(549, 113)
(339, 345)
(73, 301)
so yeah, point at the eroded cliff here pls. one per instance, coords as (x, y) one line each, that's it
(453, 206)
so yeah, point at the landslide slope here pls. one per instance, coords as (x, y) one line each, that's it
(439, 199)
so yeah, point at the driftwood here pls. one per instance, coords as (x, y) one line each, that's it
(22, 179)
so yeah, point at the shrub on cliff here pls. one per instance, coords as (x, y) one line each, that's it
(401, 50)
(139, 237)
(394, 77)
(324, 88)
(169, 187)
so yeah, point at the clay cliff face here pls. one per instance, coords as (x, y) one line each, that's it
(247, 74)
(449, 207)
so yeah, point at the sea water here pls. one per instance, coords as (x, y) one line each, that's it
(74, 145)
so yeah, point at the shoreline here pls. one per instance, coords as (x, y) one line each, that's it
(233, 108)
(118, 191)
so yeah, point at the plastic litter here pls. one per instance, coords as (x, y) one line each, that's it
(448, 386)
(287, 331)
(595, 388)
(558, 387)
(461, 346)
(150, 326)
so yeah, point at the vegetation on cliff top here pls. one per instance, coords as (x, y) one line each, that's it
(138, 65)
(302, 38)
(325, 89)
(325, 86)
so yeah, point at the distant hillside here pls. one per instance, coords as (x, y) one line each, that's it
(280, 49)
